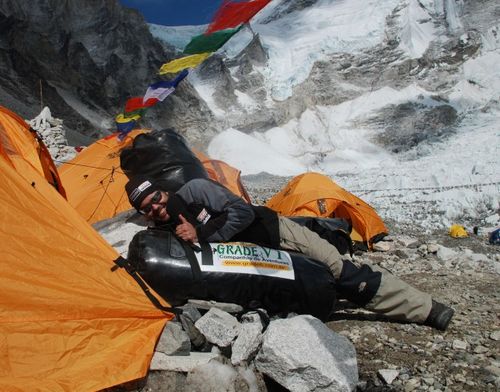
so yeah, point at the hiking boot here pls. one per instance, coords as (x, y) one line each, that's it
(439, 316)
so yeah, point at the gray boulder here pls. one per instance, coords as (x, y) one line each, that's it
(303, 354)
(174, 340)
(188, 318)
(180, 363)
(247, 343)
(218, 327)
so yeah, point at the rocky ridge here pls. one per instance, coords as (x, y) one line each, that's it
(84, 59)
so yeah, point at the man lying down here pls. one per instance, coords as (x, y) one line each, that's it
(205, 211)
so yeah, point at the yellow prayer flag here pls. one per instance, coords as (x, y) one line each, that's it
(182, 63)
(125, 118)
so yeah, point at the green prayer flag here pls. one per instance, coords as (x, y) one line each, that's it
(209, 42)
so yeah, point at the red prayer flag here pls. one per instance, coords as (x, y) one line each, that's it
(233, 13)
(136, 103)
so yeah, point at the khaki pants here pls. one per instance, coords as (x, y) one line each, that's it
(392, 297)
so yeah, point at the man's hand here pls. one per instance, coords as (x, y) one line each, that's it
(186, 230)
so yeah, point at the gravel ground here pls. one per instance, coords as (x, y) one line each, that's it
(464, 358)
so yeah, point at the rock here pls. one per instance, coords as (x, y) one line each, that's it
(254, 378)
(408, 242)
(433, 248)
(494, 370)
(411, 385)
(480, 350)
(188, 318)
(218, 327)
(247, 343)
(495, 335)
(217, 377)
(180, 363)
(388, 375)
(428, 380)
(445, 254)
(383, 246)
(174, 340)
(77, 55)
(256, 317)
(423, 250)
(226, 307)
(459, 344)
(477, 257)
(161, 381)
(302, 354)
(401, 253)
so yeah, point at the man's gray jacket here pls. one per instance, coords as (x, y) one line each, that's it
(219, 215)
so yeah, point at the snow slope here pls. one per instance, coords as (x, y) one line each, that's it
(455, 178)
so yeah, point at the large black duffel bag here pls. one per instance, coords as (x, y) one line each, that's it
(163, 155)
(240, 273)
(335, 230)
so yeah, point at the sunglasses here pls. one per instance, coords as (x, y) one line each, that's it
(148, 207)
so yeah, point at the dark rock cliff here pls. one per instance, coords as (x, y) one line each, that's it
(83, 59)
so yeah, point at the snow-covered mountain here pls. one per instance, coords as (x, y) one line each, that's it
(176, 36)
(397, 100)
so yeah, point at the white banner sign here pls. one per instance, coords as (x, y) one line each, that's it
(246, 258)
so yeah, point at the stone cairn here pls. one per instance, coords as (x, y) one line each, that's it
(51, 130)
(228, 350)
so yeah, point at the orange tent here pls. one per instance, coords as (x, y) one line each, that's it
(95, 183)
(23, 146)
(224, 174)
(67, 322)
(313, 194)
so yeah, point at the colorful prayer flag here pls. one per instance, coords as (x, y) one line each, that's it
(183, 63)
(137, 103)
(229, 19)
(161, 90)
(233, 13)
(209, 43)
(123, 119)
(125, 128)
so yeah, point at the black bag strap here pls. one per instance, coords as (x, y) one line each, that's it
(189, 249)
(121, 262)
(207, 257)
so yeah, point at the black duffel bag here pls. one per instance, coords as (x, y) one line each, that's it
(163, 155)
(335, 230)
(177, 273)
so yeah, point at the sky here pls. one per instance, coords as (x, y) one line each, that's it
(175, 12)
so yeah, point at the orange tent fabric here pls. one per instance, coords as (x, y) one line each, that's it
(95, 183)
(313, 194)
(67, 322)
(224, 174)
(20, 143)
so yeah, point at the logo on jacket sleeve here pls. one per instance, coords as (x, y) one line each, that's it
(203, 216)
